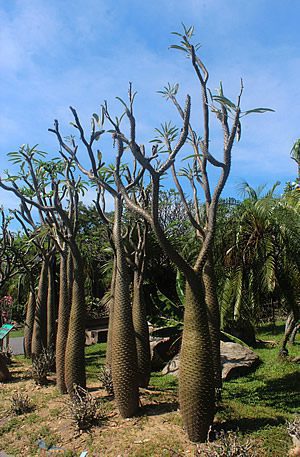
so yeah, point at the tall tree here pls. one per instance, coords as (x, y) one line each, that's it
(196, 379)
(122, 339)
(48, 184)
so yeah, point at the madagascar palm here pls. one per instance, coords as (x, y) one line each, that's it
(29, 322)
(51, 305)
(123, 345)
(47, 184)
(196, 376)
(138, 303)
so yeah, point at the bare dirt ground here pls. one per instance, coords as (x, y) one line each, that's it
(157, 431)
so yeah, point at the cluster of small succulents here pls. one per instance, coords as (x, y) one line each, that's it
(20, 404)
(83, 409)
(106, 380)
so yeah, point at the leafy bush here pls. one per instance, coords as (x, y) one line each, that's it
(96, 307)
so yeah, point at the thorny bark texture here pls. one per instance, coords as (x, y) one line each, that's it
(124, 356)
(75, 357)
(63, 322)
(111, 316)
(51, 307)
(39, 336)
(29, 322)
(141, 330)
(213, 310)
(196, 393)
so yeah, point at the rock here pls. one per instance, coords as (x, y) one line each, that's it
(237, 360)
(172, 366)
(90, 338)
(163, 350)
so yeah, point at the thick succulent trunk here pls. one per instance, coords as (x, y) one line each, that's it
(28, 328)
(75, 355)
(63, 323)
(213, 311)
(51, 308)
(111, 317)
(196, 374)
(124, 356)
(141, 331)
(39, 335)
(70, 276)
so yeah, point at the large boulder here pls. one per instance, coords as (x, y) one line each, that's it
(163, 350)
(236, 360)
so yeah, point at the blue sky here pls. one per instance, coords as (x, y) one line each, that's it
(80, 52)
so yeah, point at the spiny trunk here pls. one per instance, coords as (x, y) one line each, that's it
(213, 310)
(141, 332)
(124, 356)
(39, 335)
(111, 317)
(63, 323)
(70, 276)
(75, 356)
(51, 311)
(196, 374)
(29, 322)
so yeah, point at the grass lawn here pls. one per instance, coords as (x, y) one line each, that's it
(16, 333)
(261, 403)
(257, 406)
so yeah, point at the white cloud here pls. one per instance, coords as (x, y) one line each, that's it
(53, 57)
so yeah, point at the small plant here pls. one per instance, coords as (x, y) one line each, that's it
(82, 408)
(105, 378)
(42, 365)
(20, 404)
(293, 429)
(227, 445)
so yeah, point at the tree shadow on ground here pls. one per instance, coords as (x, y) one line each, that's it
(280, 393)
(94, 359)
(156, 409)
(272, 329)
(19, 375)
(250, 424)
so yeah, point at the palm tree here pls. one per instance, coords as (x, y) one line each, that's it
(261, 257)
(295, 155)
